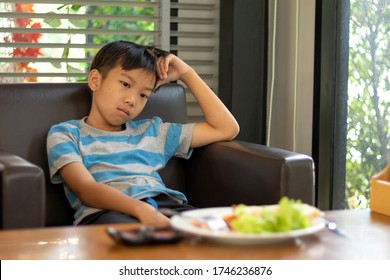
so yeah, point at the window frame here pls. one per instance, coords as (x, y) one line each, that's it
(330, 102)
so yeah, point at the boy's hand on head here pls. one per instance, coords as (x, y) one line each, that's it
(171, 68)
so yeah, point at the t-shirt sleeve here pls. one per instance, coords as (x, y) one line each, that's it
(184, 150)
(62, 149)
(177, 139)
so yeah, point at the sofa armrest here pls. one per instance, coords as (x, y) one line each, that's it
(22, 193)
(227, 173)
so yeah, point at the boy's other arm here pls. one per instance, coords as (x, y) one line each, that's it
(220, 124)
(102, 196)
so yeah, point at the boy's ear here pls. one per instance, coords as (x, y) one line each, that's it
(94, 79)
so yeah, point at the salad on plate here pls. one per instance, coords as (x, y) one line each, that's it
(287, 215)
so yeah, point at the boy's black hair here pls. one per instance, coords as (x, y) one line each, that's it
(128, 55)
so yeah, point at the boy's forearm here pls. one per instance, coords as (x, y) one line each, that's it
(101, 196)
(108, 198)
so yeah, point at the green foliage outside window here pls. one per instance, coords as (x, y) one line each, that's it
(369, 97)
(128, 25)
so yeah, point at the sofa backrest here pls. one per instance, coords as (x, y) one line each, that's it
(28, 110)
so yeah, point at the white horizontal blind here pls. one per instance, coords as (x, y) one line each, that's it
(56, 41)
(196, 40)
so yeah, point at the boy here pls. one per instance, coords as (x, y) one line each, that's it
(108, 162)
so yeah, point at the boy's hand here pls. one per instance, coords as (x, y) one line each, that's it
(171, 68)
(148, 216)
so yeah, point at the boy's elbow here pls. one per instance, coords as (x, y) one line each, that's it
(233, 131)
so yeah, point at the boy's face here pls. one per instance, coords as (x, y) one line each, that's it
(119, 97)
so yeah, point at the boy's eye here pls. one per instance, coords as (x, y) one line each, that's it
(143, 95)
(125, 84)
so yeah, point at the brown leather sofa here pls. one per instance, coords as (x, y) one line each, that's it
(220, 174)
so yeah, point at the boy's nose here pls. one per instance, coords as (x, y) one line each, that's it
(130, 99)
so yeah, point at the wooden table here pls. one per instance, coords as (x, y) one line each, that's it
(370, 240)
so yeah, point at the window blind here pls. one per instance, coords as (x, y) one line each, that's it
(49, 41)
(195, 38)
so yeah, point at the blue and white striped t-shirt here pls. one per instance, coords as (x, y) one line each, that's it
(128, 160)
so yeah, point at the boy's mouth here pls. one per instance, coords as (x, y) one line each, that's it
(124, 111)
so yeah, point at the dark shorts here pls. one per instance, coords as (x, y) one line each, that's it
(113, 217)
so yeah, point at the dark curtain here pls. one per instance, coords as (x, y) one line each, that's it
(243, 65)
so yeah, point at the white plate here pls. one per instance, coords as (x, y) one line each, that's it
(184, 225)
